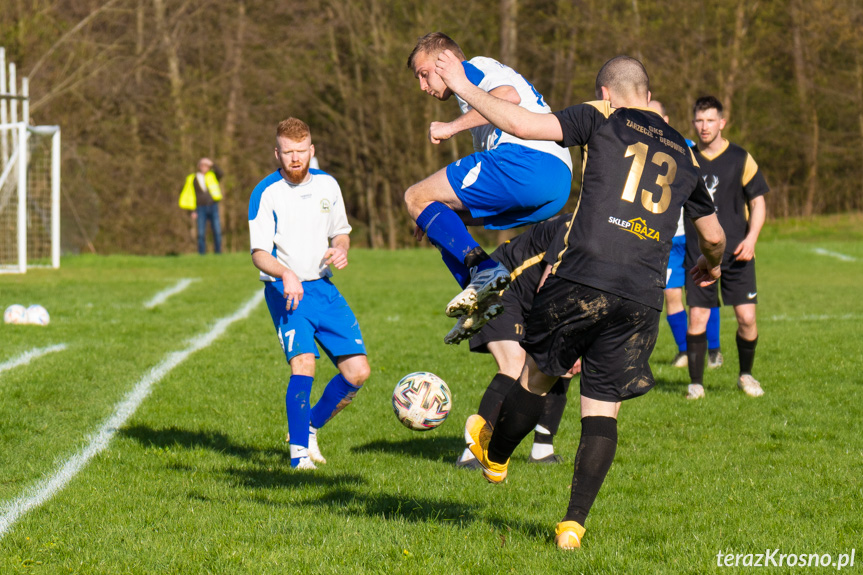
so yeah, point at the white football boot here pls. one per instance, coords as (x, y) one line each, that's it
(695, 391)
(482, 284)
(315, 451)
(750, 386)
(469, 325)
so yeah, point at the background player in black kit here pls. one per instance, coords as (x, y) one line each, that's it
(737, 187)
(528, 255)
(603, 299)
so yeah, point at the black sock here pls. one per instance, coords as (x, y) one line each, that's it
(696, 349)
(492, 399)
(746, 353)
(592, 462)
(552, 411)
(475, 257)
(518, 416)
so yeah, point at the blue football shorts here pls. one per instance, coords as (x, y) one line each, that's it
(675, 275)
(511, 185)
(322, 315)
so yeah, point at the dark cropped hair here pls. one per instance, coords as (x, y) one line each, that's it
(707, 103)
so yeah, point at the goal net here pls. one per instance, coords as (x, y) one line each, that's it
(29, 197)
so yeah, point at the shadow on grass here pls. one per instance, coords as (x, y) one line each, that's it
(433, 448)
(270, 468)
(188, 439)
(668, 386)
(391, 507)
(284, 477)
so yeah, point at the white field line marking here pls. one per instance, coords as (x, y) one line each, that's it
(29, 356)
(43, 490)
(816, 317)
(163, 295)
(837, 255)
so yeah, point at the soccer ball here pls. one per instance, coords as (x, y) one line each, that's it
(421, 401)
(15, 313)
(38, 315)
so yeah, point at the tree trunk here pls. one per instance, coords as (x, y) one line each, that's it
(176, 80)
(134, 119)
(509, 33)
(636, 17)
(730, 83)
(231, 207)
(859, 75)
(808, 112)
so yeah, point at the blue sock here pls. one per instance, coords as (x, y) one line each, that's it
(337, 395)
(677, 323)
(447, 232)
(713, 329)
(459, 271)
(297, 406)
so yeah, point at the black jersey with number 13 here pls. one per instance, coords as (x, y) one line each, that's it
(637, 173)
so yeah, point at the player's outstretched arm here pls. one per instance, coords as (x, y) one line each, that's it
(711, 241)
(505, 115)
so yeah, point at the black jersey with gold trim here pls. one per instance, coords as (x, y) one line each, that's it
(733, 179)
(523, 255)
(637, 174)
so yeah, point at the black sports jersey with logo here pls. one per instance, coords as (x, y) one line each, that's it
(638, 173)
(732, 179)
(521, 254)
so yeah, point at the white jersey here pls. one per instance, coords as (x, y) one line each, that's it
(488, 74)
(295, 223)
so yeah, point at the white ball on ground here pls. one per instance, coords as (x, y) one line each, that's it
(38, 315)
(15, 314)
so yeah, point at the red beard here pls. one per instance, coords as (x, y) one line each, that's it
(297, 177)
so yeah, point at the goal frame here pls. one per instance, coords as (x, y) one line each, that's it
(16, 156)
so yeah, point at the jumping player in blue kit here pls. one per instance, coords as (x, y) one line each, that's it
(298, 228)
(506, 183)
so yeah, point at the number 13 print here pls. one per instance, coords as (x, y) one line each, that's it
(664, 181)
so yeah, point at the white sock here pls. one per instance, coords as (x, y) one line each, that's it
(540, 450)
(298, 451)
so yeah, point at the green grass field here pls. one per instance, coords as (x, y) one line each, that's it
(197, 478)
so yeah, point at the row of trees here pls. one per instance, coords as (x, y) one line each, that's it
(142, 88)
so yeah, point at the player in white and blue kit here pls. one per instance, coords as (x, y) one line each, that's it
(298, 228)
(675, 278)
(507, 182)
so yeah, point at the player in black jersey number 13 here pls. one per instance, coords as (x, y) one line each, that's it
(603, 298)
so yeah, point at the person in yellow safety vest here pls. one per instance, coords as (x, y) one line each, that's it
(201, 195)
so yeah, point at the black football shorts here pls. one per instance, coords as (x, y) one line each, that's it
(509, 325)
(613, 336)
(737, 285)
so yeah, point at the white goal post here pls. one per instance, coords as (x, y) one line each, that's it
(29, 181)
